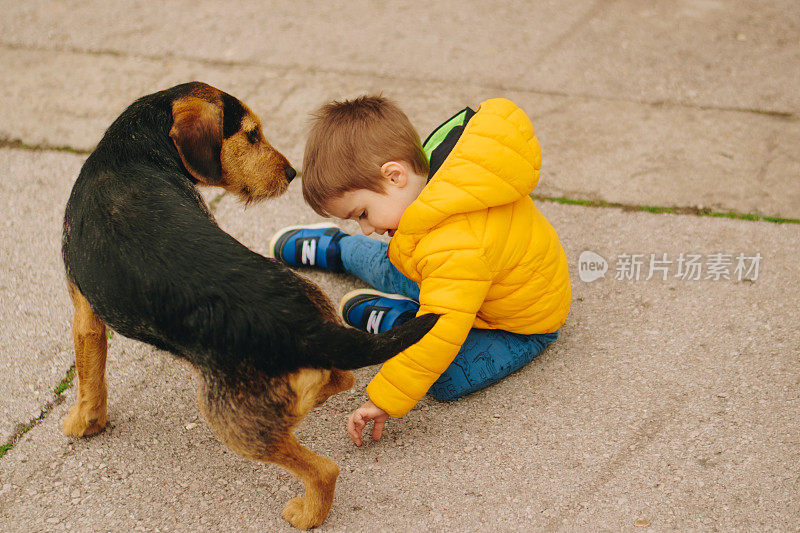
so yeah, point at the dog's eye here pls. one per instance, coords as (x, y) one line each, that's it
(252, 136)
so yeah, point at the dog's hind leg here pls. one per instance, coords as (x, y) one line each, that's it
(317, 473)
(256, 417)
(88, 415)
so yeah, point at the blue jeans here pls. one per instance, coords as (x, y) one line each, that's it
(487, 355)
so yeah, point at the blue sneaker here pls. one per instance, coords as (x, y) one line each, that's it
(375, 312)
(313, 245)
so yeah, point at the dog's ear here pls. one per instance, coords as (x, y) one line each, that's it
(197, 134)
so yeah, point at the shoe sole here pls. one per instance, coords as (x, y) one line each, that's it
(287, 229)
(372, 292)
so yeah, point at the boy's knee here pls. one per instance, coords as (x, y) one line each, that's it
(487, 357)
(455, 383)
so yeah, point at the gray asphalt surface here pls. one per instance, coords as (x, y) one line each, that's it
(668, 405)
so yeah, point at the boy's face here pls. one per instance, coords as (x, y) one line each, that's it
(380, 212)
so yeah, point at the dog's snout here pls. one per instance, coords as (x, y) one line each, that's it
(290, 174)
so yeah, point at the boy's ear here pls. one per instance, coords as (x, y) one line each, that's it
(394, 172)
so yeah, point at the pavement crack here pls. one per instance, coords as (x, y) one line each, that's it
(55, 400)
(772, 145)
(214, 202)
(673, 210)
(575, 27)
(19, 144)
(292, 89)
(644, 434)
(488, 87)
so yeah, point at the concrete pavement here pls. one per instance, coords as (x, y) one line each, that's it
(671, 403)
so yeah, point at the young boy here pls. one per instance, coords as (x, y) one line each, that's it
(467, 243)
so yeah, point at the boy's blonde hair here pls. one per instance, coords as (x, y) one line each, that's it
(350, 141)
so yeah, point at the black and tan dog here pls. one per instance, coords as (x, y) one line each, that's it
(144, 256)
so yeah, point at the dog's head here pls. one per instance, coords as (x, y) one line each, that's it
(221, 143)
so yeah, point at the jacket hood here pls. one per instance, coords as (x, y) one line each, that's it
(496, 161)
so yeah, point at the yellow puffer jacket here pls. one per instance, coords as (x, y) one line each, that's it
(484, 256)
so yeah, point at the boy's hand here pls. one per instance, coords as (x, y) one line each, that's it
(358, 419)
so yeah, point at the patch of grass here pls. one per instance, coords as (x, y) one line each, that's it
(66, 382)
(659, 210)
(779, 220)
(212, 205)
(22, 429)
(19, 145)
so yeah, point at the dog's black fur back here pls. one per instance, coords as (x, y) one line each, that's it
(141, 245)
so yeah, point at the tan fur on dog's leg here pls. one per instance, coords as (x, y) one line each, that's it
(317, 473)
(255, 417)
(88, 415)
(311, 387)
(340, 380)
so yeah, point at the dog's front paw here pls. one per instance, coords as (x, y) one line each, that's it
(302, 515)
(80, 423)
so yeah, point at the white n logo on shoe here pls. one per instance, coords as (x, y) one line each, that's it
(374, 320)
(308, 255)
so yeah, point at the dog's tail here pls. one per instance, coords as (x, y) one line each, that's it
(347, 348)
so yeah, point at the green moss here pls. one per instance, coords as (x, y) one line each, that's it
(19, 145)
(22, 429)
(66, 382)
(659, 210)
(212, 205)
(5, 447)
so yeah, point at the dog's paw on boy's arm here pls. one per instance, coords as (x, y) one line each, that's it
(358, 419)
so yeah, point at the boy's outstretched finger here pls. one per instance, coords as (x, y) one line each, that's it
(377, 428)
(355, 425)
